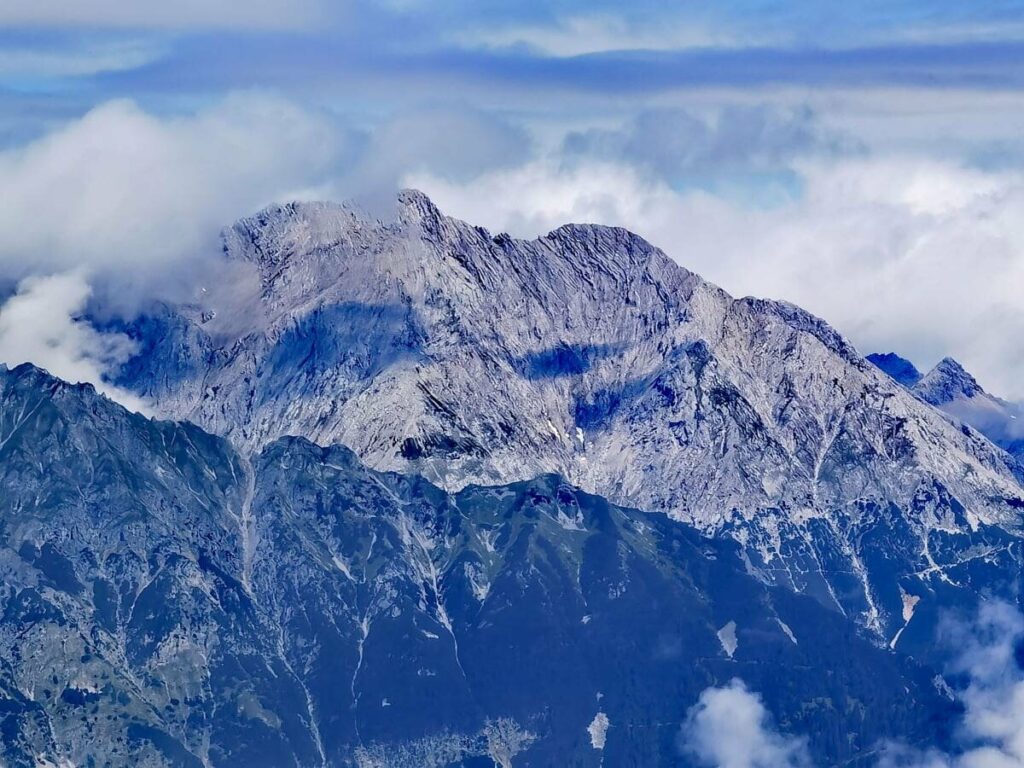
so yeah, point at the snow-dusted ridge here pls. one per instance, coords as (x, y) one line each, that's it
(426, 344)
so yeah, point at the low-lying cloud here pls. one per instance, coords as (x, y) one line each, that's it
(992, 729)
(729, 726)
(41, 324)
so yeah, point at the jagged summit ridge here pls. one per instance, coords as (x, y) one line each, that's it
(279, 231)
(947, 381)
(495, 352)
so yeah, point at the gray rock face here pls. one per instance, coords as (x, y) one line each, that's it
(431, 346)
(166, 601)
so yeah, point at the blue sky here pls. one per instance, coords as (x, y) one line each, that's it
(376, 57)
(863, 159)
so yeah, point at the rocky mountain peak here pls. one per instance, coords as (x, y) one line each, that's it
(497, 359)
(947, 381)
(416, 206)
(957, 393)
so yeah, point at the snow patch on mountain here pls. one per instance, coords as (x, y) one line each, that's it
(727, 637)
(598, 730)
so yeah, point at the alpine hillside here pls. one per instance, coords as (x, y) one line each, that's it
(167, 601)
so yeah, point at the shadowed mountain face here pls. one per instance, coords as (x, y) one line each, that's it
(899, 368)
(428, 345)
(168, 602)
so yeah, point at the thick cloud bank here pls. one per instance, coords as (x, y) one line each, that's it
(130, 204)
(123, 193)
(126, 206)
(921, 256)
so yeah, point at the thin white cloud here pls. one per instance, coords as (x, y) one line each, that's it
(256, 14)
(729, 727)
(580, 34)
(78, 60)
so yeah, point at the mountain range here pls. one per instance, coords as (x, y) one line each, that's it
(438, 497)
(428, 345)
